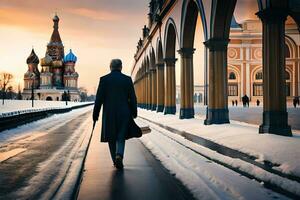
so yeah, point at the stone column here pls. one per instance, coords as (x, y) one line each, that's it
(160, 86)
(187, 84)
(154, 88)
(144, 91)
(217, 109)
(149, 91)
(139, 92)
(135, 85)
(170, 87)
(275, 116)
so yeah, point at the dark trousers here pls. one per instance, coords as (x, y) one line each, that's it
(116, 148)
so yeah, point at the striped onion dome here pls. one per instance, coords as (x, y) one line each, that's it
(32, 58)
(70, 57)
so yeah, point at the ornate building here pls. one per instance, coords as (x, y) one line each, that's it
(245, 60)
(57, 74)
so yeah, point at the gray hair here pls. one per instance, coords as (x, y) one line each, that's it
(115, 64)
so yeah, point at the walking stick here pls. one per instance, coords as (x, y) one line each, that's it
(88, 146)
(94, 123)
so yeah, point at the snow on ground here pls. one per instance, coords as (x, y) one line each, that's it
(250, 115)
(25, 105)
(243, 137)
(204, 178)
(40, 127)
(253, 114)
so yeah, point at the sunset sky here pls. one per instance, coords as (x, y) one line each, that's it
(96, 30)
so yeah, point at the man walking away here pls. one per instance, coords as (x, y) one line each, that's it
(116, 94)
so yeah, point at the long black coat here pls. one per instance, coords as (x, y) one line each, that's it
(116, 94)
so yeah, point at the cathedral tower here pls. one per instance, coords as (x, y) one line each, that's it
(32, 76)
(55, 50)
(70, 75)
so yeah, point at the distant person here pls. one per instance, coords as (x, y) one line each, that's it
(232, 102)
(116, 94)
(295, 102)
(236, 102)
(245, 100)
(257, 102)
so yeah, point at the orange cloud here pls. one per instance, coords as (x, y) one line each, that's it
(17, 17)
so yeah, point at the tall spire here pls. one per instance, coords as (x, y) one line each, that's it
(55, 48)
(55, 37)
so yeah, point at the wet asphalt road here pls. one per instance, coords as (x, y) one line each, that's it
(143, 178)
(17, 171)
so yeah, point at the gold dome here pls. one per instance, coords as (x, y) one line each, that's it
(46, 61)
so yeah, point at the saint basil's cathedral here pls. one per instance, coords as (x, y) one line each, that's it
(57, 74)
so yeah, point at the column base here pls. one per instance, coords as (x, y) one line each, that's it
(216, 116)
(160, 108)
(170, 110)
(275, 122)
(186, 113)
(148, 106)
(145, 106)
(153, 107)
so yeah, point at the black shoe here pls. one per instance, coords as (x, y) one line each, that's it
(119, 162)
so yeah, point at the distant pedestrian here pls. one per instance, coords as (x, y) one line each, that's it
(116, 94)
(232, 102)
(295, 102)
(236, 102)
(245, 100)
(257, 102)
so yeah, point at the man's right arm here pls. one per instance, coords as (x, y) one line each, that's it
(99, 100)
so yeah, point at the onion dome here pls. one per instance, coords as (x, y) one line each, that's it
(55, 18)
(46, 61)
(70, 57)
(32, 58)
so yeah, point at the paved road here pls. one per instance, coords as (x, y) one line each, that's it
(253, 115)
(143, 178)
(38, 159)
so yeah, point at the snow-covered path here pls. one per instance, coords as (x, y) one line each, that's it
(253, 114)
(36, 157)
(25, 105)
(205, 178)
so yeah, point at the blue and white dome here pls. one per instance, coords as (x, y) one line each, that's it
(70, 57)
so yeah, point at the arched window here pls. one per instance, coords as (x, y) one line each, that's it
(259, 75)
(232, 76)
(287, 51)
